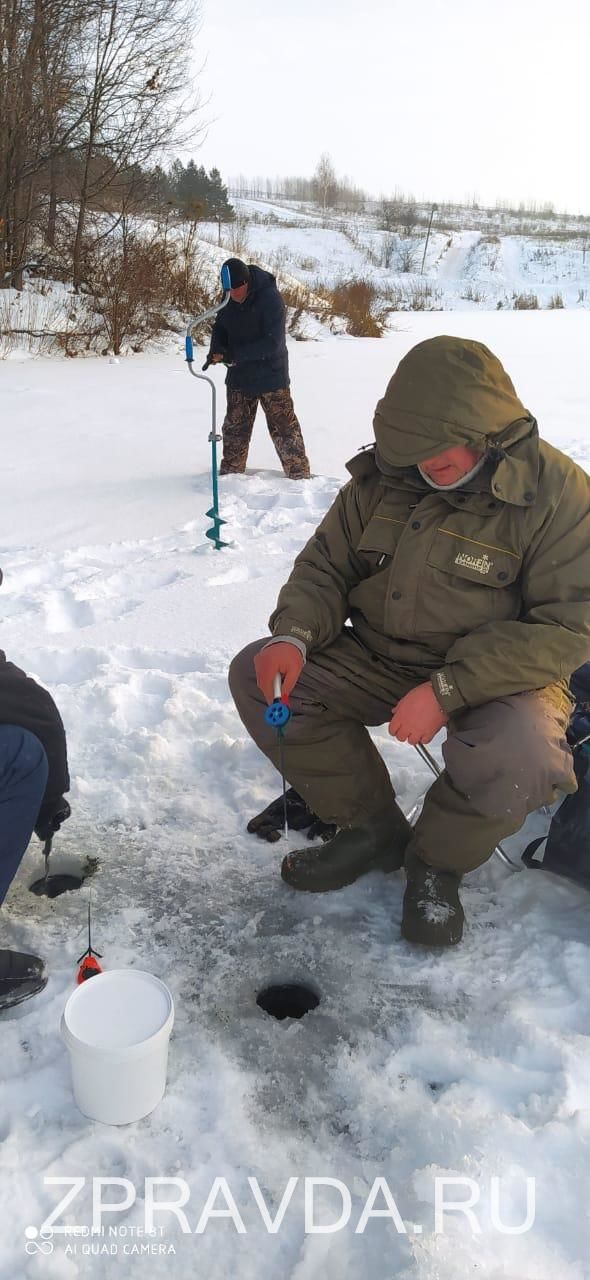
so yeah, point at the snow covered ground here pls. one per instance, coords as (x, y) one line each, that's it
(467, 266)
(472, 1064)
(472, 262)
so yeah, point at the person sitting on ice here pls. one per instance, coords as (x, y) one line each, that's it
(33, 778)
(448, 586)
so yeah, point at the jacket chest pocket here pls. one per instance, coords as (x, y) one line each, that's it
(375, 549)
(479, 581)
(379, 541)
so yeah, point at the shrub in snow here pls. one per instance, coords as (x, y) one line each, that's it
(128, 285)
(406, 258)
(356, 300)
(525, 302)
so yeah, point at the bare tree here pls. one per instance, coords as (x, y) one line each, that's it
(388, 215)
(136, 71)
(187, 286)
(61, 28)
(325, 182)
(40, 112)
(128, 285)
(388, 248)
(409, 218)
(406, 260)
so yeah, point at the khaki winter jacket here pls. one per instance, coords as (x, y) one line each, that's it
(486, 591)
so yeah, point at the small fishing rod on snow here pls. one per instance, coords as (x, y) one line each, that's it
(214, 437)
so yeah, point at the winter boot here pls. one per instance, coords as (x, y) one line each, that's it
(21, 976)
(432, 911)
(378, 846)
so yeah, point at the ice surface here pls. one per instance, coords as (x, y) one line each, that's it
(473, 1063)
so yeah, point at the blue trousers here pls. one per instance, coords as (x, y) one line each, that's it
(23, 778)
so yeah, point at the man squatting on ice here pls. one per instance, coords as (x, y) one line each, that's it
(249, 337)
(450, 581)
(33, 776)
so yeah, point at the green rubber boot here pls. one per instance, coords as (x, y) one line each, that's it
(432, 912)
(351, 853)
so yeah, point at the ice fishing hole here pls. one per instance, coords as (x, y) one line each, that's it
(288, 1000)
(54, 886)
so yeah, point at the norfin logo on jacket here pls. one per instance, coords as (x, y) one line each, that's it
(481, 564)
(444, 686)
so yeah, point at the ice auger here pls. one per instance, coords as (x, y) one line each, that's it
(214, 437)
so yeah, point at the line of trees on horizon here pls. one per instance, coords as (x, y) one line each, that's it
(328, 191)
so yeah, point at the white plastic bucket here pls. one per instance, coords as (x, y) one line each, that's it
(117, 1027)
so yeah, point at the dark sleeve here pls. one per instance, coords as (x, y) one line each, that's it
(219, 339)
(24, 703)
(272, 315)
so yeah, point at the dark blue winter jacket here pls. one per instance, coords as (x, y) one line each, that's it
(251, 334)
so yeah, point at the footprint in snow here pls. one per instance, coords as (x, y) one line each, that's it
(237, 573)
(63, 612)
(161, 660)
(55, 666)
(141, 703)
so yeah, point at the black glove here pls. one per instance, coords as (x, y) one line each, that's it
(269, 824)
(51, 816)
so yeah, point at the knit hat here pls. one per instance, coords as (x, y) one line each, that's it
(237, 272)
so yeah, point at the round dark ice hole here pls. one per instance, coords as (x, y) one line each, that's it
(54, 886)
(289, 1000)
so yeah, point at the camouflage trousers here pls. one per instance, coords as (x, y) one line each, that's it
(282, 424)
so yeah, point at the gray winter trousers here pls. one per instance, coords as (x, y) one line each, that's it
(502, 760)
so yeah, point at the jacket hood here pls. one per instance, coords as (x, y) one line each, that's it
(447, 391)
(259, 278)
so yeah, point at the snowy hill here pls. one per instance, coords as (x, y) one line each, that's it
(472, 261)
(473, 1064)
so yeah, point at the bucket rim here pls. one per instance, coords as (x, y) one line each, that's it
(122, 1052)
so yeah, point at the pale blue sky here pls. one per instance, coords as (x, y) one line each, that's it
(442, 98)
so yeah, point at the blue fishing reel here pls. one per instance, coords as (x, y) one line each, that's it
(279, 713)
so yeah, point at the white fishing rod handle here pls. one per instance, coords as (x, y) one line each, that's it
(277, 687)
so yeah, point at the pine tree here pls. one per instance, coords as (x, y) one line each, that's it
(218, 201)
(198, 194)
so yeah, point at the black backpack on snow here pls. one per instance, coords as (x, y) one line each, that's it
(567, 843)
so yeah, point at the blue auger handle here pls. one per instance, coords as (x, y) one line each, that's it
(188, 346)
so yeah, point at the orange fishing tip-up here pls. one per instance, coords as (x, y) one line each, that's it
(88, 961)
